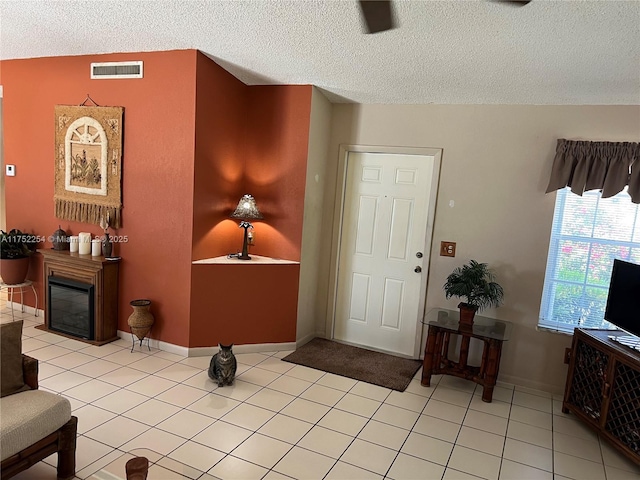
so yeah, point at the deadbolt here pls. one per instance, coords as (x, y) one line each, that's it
(419, 254)
(418, 269)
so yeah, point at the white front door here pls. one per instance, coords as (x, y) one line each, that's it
(384, 250)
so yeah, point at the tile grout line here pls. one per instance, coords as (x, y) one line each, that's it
(217, 420)
(173, 362)
(181, 409)
(254, 432)
(276, 413)
(317, 423)
(458, 434)
(409, 434)
(553, 445)
(504, 444)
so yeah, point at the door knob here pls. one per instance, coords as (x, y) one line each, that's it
(419, 254)
(418, 269)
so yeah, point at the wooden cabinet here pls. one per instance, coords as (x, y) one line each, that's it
(96, 271)
(603, 388)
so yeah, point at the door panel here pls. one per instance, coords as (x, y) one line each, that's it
(392, 303)
(366, 225)
(399, 230)
(359, 292)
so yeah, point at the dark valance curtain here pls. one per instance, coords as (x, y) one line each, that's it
(604, 166)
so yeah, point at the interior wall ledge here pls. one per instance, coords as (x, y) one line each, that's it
(255, 260)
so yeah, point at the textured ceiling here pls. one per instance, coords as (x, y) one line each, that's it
(444, 52)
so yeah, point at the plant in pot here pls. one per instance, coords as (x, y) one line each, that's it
(474, 282)
(15, 249)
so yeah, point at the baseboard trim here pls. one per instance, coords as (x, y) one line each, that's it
(306, 339)
(17, 307)
(523, 382)
(247, 348)
(207, 351)
(154, 343)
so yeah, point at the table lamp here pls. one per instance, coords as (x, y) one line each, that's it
(246, 210)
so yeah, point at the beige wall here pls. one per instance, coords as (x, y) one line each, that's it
(495, 165)
(319, 134)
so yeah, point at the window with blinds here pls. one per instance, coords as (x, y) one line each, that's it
(588, 233)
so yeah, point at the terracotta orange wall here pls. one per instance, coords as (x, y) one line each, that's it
(276, 165)
(196, 139)
(219, 158)
(268, 161)
(244, 304)
(248, 140)
(158, 170)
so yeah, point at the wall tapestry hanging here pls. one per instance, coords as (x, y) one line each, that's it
(88, 156)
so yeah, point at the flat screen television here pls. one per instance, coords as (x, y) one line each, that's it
(623, 303)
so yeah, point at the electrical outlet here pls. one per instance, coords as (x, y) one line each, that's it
(10, 170)
(447, 249)
(250, 238)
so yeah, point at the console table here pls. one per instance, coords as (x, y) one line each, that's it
(99, 272)
(603, 388)
(442, 324)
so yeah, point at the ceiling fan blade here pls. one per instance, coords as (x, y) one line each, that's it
(519, 3)
(378, 15)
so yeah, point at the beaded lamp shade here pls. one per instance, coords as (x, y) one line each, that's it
(247, 209)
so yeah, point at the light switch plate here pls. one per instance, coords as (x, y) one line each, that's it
(11, 170)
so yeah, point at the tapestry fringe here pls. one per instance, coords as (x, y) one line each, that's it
(87, 212)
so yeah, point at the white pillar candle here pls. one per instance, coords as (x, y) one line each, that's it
(73, 244)
(84, 243)
(96, 247)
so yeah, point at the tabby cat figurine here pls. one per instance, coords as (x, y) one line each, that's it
(222, 368)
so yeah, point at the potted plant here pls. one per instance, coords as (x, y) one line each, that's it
(475, 283)
(15, 249)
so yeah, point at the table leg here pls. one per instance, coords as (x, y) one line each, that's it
(464, 351)
(442, 347)
(493, 361)
(427, 364)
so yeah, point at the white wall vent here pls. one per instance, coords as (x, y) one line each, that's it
(116, 70)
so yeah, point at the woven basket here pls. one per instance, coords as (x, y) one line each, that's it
(141, 320)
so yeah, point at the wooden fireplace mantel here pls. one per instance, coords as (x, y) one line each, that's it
(97, 271)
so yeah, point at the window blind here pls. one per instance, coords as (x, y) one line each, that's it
(588, 233)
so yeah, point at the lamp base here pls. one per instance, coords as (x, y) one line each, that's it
(244, 255)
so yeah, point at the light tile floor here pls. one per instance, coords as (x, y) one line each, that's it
(283, 421)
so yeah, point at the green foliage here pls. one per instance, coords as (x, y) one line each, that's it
(476, 283)
(16, 244)
(580, 306)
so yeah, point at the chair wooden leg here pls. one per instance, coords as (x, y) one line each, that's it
(67, 449)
